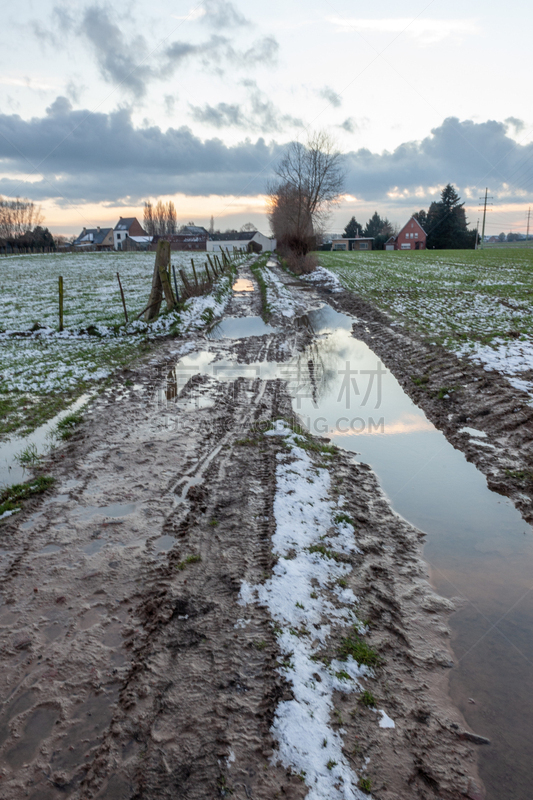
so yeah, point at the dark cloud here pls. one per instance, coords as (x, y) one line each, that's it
(221, 14)
(258, 114)
(331, 96)
(88, 156)
(468, 154)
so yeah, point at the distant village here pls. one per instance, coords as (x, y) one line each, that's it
(129, 235)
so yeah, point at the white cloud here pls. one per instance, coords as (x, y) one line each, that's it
(428, 31)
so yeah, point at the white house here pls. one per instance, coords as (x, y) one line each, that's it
(227, 241)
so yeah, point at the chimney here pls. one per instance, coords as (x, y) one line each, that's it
(98, 229)
(85, 230)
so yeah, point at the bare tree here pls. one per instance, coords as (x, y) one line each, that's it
(18, 217)
(159, 219)
(148, 218)
(248, 227)
(311, 180)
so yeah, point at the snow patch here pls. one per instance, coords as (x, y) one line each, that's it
(302, 605)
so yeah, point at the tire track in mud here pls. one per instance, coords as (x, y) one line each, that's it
(202, 692)
(158, 684)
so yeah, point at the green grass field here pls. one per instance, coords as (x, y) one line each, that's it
(475, 303)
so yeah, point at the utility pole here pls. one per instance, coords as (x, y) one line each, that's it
(477, 235)
(485, 203)
(528, 219)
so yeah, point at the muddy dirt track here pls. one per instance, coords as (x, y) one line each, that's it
(130, 667)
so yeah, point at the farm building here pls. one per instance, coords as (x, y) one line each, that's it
(411, 237)
(125, 227)
(183, 241)
(100, 238)
(253, 240)
(357, 243)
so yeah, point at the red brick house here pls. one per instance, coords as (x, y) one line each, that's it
(411, 237)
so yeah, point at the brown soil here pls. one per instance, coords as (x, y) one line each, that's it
(126, 671)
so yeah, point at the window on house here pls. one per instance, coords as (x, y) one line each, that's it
(118, 235)
(363, 245)
(416, 235)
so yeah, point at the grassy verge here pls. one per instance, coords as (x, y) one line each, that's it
(12, 497)
(256, 268)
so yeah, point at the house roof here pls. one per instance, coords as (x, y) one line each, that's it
(125, 223)
(98, 236)
(242, 236)
(412, 219)
(197, 229)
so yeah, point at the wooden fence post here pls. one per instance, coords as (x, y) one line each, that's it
(156, 293)
(60, 303)
(164, 270)
(123, 299)
(175, 284)
(194, 272)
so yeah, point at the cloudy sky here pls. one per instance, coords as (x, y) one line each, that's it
(103, 105)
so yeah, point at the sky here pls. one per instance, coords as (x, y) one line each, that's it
(106, 105)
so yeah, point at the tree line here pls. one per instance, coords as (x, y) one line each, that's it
(159, 219)
(377, 228)
(445, 223)
(20, 224)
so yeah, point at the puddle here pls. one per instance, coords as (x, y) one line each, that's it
(50, 548)
(164, 544)
(243, 285)
(10, 470)
(113, 510)
(477, 546)
(94, 547)
(38, 727)
(240, 328)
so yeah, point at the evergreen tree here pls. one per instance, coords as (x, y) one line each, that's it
(378, 229)
(447, 224)
(353, 229)
(422, 217)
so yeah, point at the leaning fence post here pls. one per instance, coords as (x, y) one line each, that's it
(123, 299)
(60, 303)
(175, 284)
(194, 272)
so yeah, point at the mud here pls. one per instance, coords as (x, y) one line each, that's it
(129, 669)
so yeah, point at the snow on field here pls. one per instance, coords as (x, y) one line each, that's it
(45, 361)
(475, 303)
(514, 359)
(303, 606)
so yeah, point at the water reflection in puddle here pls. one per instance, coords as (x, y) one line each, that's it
(240, 328)
(113, 510)
(50, 548)
(478, 546)
(243, 285)
(10, 470)
(164, 544)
